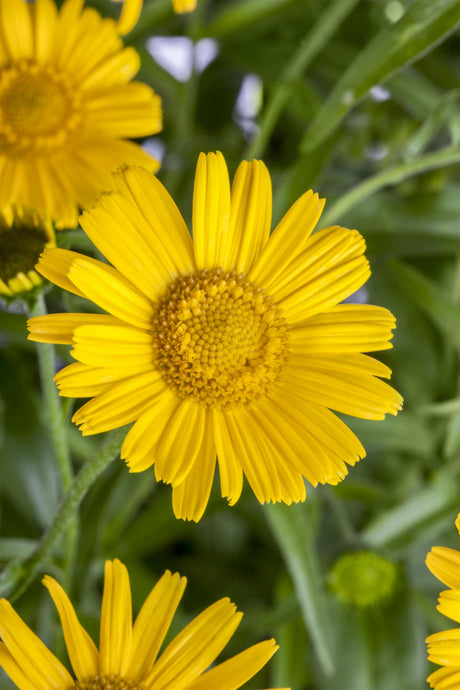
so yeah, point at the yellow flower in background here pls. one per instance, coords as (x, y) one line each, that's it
(128, 656)
(181, 6)
(23, 236)
(444, 647)
(131, 11)
(234, 344)
(66, 105)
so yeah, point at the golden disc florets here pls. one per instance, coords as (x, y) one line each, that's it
(219, 338)
(39, 109)
(110, 682)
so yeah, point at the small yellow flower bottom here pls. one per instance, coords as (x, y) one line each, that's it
(110, 682)
(219, 338)
(39, 108)
(23, 236)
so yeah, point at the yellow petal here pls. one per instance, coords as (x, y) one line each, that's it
(182, 6)
(130, 13)
(180, 442)
(82, 651)
(120, 403)
(211, 209)
(152, 624)
(17, 29)
(344, 328)
(29, 653)
(444, 563)
(59, 328)
(17, 673)
(449, 604)
(112, 346)
(195, 647)
(191, 496)
(234, 672)
(116, 620)
(230, 470)
(111, 291)
(45, 29)
(289, 238)
(250, 217)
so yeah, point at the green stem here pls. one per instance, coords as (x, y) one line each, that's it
(328, 22)
(291, 528)
(46, 356)
(52, 403)
(16, 577)
(390, 176)
(185, 109)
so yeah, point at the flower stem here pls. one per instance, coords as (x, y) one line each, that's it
(328, 22)
(46, 355)
(16, 577)
(47, 363)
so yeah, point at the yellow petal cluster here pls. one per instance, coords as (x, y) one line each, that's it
(129, 654)
(444, 647)
(67, 105)
(235, 345)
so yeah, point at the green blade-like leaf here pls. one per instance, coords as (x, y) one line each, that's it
(290, 526)
(422, 27)
(430, 298)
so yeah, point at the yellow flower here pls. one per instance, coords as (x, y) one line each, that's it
(66, 104)
(444, 647)
(23, 236)
(131, 11)
(128, 654)
(234, 343)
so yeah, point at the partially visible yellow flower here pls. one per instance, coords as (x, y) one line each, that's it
(234, 344)
(128, 657)
(444, 647)
(24, 234)
(181, 6)
(131, 11)
(67, 103)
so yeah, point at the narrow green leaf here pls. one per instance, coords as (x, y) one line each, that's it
(419, 141)
(290, 527)
(430, 298)
(420, 29)
(240, 14)
(404, 519)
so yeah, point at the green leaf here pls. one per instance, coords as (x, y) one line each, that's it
(291, 529)
(404, 520)
(430, 298)
(421, 28)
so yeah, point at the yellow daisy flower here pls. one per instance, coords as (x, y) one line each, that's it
(235, 344)
(128, 654)
(444, 647)
(66, 104)
(131, 11)
(23, 236)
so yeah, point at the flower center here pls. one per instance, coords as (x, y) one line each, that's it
(111, 682)
(38, 109)
(23, 236)
(219, 338)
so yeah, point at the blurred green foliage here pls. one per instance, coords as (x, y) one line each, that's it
(358, 99)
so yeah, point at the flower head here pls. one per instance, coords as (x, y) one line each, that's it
(23, 236)
(234, 344)
(444, 647)
(128, 655)
(66, 105)
(363, 579)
